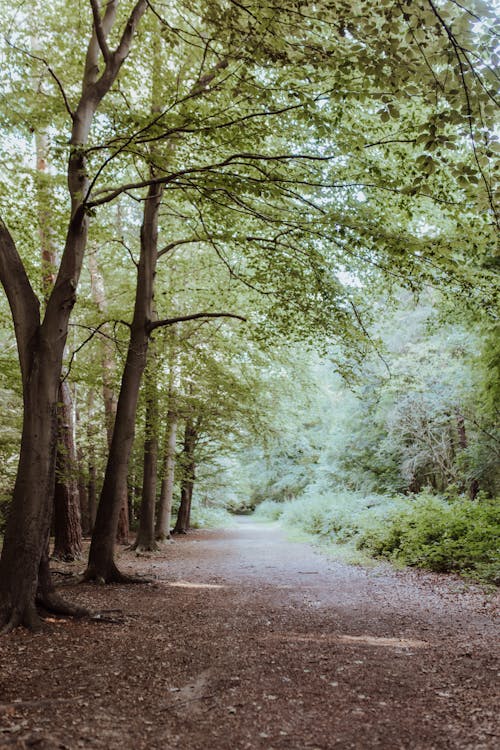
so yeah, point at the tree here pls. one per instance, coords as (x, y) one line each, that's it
(41, 345)
(188, 475)
(67, 513)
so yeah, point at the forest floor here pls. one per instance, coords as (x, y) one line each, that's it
(247, 640)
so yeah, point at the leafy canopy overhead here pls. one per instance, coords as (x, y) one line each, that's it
(308, 145)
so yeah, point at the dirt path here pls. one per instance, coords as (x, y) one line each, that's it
(246, 640)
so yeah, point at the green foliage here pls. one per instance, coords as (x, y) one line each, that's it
(315, 156)
(205, 517)
(444, 535)
(270, 510)
(425, 531)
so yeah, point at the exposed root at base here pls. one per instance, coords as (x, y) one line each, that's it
(164, 538)
(30, 618)
(143, 548)
(111, 575)
(52, 602)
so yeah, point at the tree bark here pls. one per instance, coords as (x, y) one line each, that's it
(145, 540)
(101, 565)
(188, 478)
(163, 519)
(92, 468)
(107, 353)
(83, 491)
(108, 381)
(67, 517)
(30, 512)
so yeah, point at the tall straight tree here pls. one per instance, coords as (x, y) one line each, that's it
(188, 475)
(41, 343)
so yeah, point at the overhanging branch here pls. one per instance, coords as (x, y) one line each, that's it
(114, 193)
(194, 316)
(99, 30)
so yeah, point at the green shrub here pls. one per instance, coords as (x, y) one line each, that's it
(439, 534)
(426, 531)
(339, 516)
(210, 518)
(269, 510)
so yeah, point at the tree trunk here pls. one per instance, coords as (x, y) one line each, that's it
(83, 492)
(28, 523)
(92, 468)
(188, 478)
(473, 488)
(68, 541)
(67, 518)
(145, 540)
(107, 352)
(163, 519)
(108, 381)
(101, 565)
(40, 348)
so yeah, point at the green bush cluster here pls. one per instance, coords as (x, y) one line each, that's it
(203, 517)
(269, 510)
(442, 535)
(426, 530)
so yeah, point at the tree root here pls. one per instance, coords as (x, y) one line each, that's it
(163, 536)
(29, 619)
(30, 616)
(66, 558)
(52, 602)
(110, 575)
(143, 548)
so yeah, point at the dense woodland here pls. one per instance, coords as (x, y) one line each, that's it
(249, 255)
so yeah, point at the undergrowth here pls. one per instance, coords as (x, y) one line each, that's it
(428, 531)
(203, 517)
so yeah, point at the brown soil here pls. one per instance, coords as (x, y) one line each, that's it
(246, 640)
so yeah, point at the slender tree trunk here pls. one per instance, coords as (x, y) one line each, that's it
(473, 488)
(92, 468)
(163, 519)
(145, 540)
(67, 518)
(108, 382)
(83, 491)
(188, 478)
(68, 537)
(107, 352)
(101, 565)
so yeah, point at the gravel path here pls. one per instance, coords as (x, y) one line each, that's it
(247, 640)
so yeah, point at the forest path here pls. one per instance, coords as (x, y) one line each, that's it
(247, 640)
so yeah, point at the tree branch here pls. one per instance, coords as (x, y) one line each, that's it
(456, 50)
(194, 316)
(112, 194)
(123, 48)
(176, 243)
(23, 301)
(51, 72)
(99, 30)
